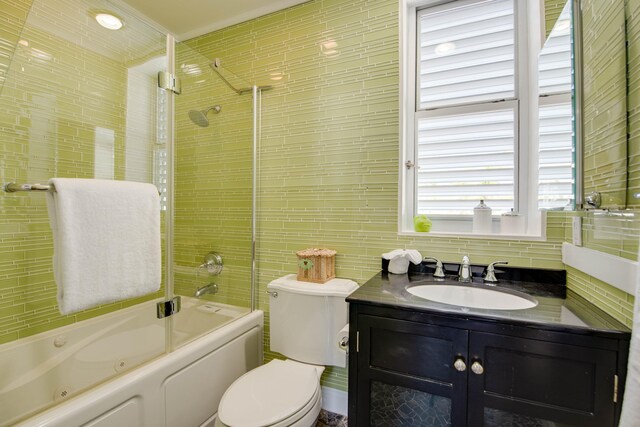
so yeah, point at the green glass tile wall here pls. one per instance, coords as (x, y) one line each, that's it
(61, 92)
(605, 101)
(213, 182)
(328, 168)
(13, 15)
(617, 303)
(552, 10)
(633, 101)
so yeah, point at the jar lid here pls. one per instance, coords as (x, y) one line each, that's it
(482, 206)
(511, 213)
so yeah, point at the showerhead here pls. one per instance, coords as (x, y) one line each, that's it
(199, 117)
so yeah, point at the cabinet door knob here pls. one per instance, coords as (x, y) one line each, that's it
(459, 364)
(477, 368)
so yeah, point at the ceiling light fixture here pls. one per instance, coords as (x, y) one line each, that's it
(109, 21)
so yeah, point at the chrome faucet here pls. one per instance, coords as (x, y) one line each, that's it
(439, 273)
(464, 274)
(211, 288)
(490, 274)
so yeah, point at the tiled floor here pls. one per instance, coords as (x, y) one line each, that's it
(329, 419)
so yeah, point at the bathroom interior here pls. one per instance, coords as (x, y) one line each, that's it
(286, 131)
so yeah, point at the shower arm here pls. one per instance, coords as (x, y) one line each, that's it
(215, 65)
(215, 108)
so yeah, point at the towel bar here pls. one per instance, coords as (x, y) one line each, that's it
(12, 187)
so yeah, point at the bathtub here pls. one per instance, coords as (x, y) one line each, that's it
(51, 377)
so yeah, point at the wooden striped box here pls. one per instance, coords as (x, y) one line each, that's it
(316, 265)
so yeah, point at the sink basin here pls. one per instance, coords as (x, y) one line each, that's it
(474, 297)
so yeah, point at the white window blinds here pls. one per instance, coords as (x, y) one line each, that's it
(466, 53)
(466, 119)
(465, 157)
(554, 63)
(555, 173)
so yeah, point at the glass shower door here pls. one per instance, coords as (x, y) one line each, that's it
(80, 101)
(213, 197)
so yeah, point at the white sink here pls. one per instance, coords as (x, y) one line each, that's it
(474, 297)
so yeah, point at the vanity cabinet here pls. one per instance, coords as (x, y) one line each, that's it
(412, 368)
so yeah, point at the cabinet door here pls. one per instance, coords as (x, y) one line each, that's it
(524, 382)
(406, 374)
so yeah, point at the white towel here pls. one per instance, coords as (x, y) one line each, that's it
(399, 260)
(106, 240)
(631, 403)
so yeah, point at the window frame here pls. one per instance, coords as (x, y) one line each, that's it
(525, 166)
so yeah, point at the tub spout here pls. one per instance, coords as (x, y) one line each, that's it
(211, 288)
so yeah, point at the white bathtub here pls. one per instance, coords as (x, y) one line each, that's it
(57, 369)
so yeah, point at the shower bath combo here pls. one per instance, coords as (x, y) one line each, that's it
(199, 117)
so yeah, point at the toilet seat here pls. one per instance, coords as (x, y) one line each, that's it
(276, 394)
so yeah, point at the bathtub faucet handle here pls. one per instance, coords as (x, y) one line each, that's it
(212, 262)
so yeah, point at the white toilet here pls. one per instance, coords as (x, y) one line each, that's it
(305, 321)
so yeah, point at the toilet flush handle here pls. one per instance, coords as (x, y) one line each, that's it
(273, 294)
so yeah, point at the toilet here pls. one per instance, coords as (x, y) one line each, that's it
(305, 321)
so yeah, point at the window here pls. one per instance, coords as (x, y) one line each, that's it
(470, 87)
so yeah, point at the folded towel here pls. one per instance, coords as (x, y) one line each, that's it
(399, 260)
(630, 416)
(106, 239)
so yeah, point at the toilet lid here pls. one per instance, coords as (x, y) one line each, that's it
(268, 394)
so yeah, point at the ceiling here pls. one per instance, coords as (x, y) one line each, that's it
(191, 18)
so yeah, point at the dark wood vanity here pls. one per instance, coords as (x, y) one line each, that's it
(413, 362)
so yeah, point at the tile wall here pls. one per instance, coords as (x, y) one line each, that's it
(327, 164)
(328, 167)
(552, 10)
(632, 8)
(213, 181)
(604, 101)
(62, 89)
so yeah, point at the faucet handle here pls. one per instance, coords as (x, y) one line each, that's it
(490, 274)
(439, 271)
(212, 263)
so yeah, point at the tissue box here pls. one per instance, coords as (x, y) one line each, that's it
(317, 265)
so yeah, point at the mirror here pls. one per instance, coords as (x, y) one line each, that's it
(601, 123)
(556, 164)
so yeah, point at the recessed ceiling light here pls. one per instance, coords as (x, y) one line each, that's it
(109, 21)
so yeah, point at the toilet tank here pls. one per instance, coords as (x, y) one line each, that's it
(305, 319)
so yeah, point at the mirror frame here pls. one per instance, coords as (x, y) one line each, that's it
(576, 12)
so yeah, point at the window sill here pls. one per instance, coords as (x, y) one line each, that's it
(526, 237)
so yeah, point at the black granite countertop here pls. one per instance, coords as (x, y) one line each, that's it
(557, 308)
